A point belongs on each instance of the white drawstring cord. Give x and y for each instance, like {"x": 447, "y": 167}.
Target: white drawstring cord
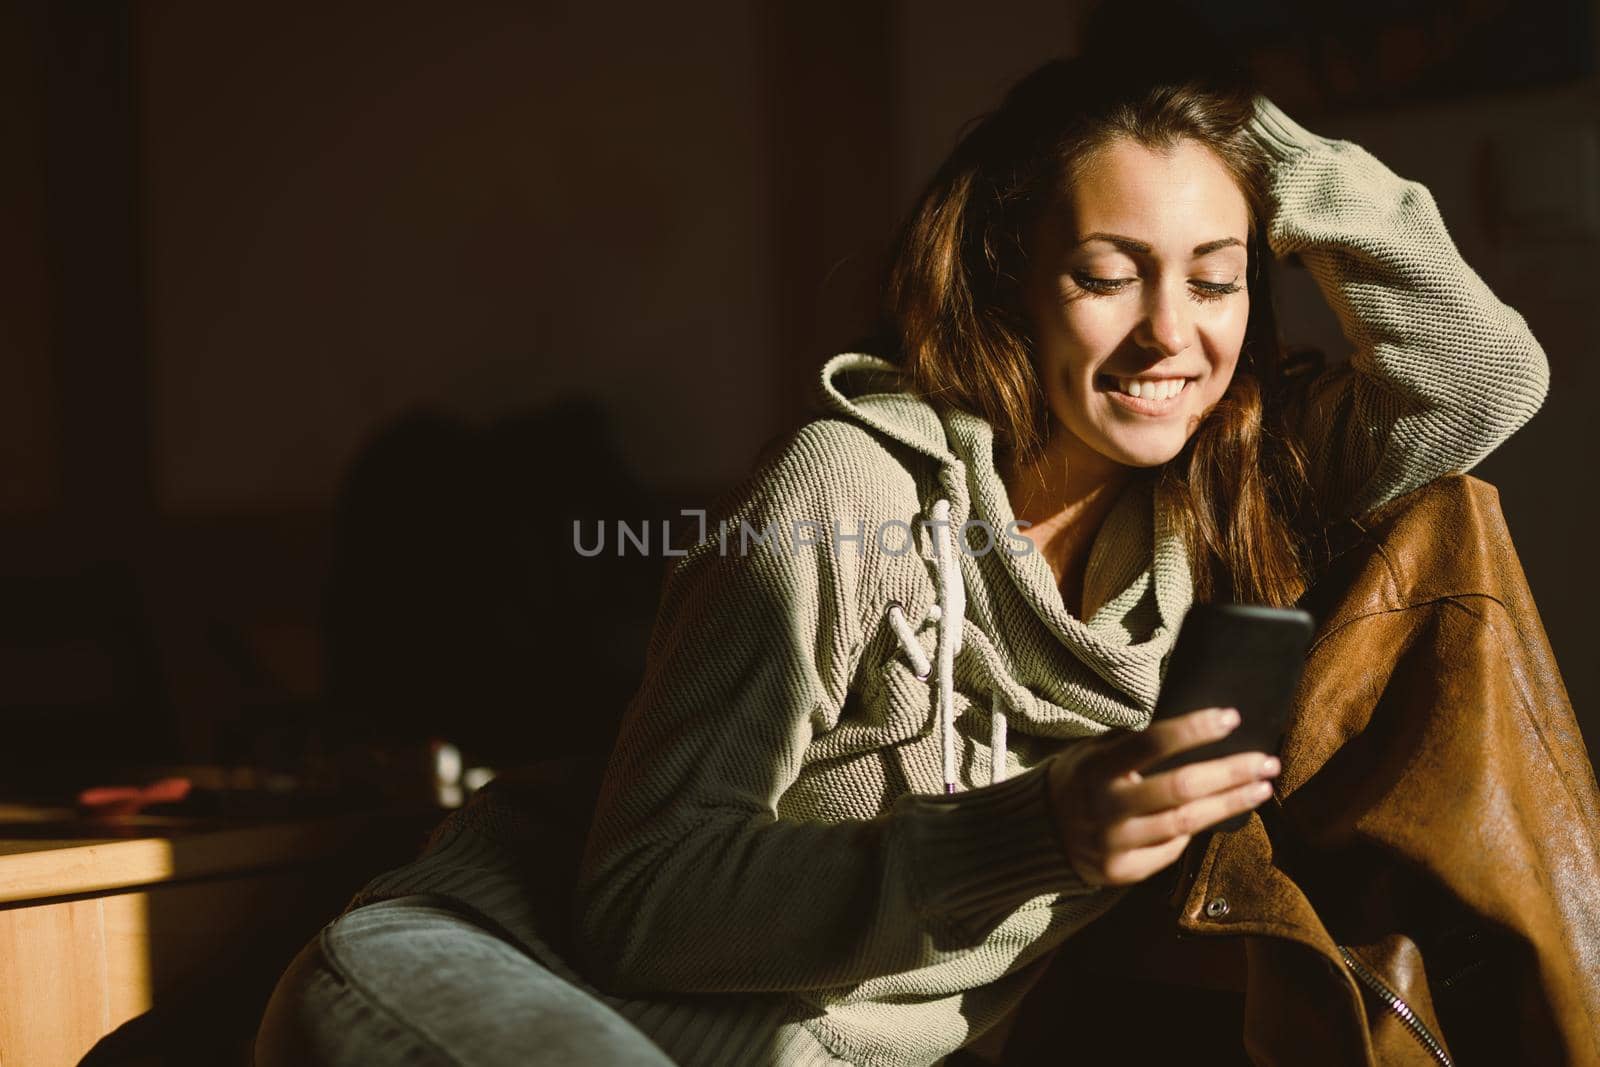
{"x": 953, "y": 607}
{"x": 908, "y": 640}
{"x": 997, "y": 738}
{"x": 949, "y": 614}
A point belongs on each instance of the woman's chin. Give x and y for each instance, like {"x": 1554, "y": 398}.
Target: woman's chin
{"x": 1144, "y": 453}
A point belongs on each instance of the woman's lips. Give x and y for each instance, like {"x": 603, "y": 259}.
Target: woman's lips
{"x": 1142, "y": 405}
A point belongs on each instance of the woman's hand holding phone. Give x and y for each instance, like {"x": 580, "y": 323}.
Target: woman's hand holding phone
{"x": 1118, "y": 826}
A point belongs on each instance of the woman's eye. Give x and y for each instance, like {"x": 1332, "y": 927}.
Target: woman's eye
{"x": 1201, "y": 291}
{"x": 1101, "y": 285}
{"x": 1207, "y": 291}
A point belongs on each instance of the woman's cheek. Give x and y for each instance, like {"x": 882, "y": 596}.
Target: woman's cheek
{"x": 1223, "y": 339}
{"x": 1088, "y": 328}
{"x": 1236, "y": 318}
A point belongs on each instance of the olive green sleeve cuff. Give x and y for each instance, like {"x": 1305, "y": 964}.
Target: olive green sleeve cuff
{"x": 1281, "y": 136}
{"x": 980, "y": 854}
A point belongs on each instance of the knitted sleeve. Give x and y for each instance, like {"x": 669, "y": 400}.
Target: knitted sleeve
{"x": 690, "y": 881}
{"x": 1441, "y": 371}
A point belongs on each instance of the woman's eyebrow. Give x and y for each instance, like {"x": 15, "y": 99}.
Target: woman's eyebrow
{"x": 1128, "y": 244}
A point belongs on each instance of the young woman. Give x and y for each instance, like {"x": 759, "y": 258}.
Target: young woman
{"x": 887, "y": 752}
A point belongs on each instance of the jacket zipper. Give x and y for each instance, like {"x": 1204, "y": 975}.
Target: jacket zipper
{"x": 1401, "y": 1009}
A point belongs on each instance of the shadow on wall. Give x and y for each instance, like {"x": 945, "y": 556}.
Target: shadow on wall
{"x": 81, "y": 691}
{"x": 457, "y": 607}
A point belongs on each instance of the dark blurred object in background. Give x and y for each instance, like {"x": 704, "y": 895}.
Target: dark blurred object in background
{"x": 457, "y": 605}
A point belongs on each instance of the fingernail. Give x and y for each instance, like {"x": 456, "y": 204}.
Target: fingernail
{"x": 1269, "y": 765}
{"x": 1228, "y": 717}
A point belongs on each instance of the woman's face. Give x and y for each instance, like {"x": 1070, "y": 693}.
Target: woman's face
{"x": 1138, "y": 282}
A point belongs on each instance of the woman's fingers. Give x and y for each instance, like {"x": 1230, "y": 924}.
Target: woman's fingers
{"x": 1118, "y": 827}
{"x": 1135, "y": 751}
{"x": 1138, "y": 864}
{"x": 1185, "y": 820}
{"x": 1180, "y": 785}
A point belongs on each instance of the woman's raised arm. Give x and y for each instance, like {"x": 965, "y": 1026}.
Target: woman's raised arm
{"x": 691, "y": 881}
{"x": 1442, "y": 372}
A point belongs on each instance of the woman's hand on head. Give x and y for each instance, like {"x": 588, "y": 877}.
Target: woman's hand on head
{"x": 1118, "y": 827}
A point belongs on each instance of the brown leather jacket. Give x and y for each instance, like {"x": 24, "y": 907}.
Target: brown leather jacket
{"x": 1425, "y": 887}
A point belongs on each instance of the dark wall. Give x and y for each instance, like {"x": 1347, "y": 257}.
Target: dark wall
{"x": 355, "y": 208}
{"x": 27, "y": 430}
{"x": 298, "y": 288}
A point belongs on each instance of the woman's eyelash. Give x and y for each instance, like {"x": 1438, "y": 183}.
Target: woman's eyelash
{"x": 1203, "y": 291}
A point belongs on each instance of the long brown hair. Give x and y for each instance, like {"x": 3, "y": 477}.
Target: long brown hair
{"x": 953, "y": 306}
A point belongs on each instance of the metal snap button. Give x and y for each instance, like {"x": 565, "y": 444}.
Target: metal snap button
{"x": 1217, "y": 907}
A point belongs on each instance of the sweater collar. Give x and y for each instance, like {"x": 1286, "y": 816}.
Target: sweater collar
{"x": 1137, "y": 575}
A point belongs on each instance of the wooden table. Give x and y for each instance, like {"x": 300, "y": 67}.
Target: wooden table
{"x": 181, "y": 926}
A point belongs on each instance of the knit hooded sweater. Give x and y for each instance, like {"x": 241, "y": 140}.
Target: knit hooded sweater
{"x": 824, "y": 835}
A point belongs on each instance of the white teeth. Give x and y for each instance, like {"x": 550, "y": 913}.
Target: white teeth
{"x": 1155, "y": 390}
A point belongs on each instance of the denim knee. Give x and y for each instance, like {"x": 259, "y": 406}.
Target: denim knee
{"x": 411, "y": 981}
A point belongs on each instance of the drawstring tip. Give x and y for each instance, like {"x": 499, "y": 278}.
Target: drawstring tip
{"x": 949, "y": 789}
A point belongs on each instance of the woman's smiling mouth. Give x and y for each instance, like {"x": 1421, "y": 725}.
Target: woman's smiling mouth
{"x": 1144, "y": 395}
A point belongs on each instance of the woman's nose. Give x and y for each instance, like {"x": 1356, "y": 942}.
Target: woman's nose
{"x": 1168, "y": 323}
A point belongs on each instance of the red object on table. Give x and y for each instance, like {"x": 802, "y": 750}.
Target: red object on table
{"x": 128, "y": 799}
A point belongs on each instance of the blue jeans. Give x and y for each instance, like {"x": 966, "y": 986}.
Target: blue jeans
{"x": 412, "y": 981}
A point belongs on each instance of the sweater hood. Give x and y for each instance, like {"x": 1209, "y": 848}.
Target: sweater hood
{"x": 870, "y": 390}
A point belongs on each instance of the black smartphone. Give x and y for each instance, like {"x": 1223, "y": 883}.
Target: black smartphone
{"x": 1245, "y": 656}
